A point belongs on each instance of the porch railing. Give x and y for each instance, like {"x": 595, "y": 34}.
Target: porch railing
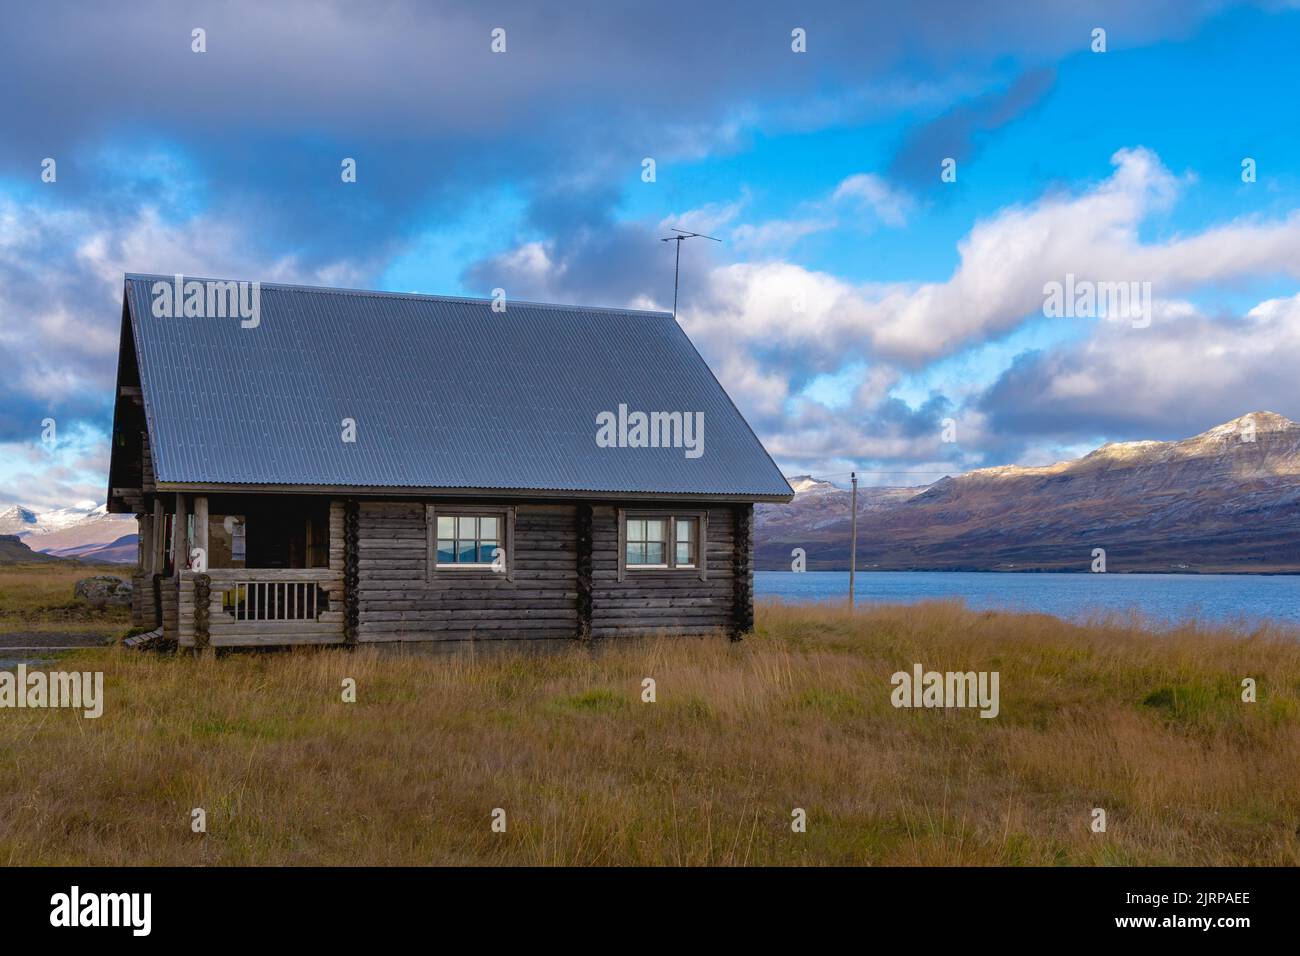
{"x": 254, "y": 606}
{"x": 272, "y": 600}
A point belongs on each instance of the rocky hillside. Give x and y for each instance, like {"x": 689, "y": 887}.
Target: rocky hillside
{"x": 13, "y": 551}
{"x": 1224, "y": 500}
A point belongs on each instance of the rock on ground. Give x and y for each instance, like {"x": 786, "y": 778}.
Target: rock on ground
{"x": 104, "y": 590}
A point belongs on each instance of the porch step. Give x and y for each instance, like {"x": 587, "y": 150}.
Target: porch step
{"x": 145, "y": 641}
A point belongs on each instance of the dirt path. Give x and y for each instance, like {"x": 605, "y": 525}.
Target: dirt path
{"x": 13, "y": 642}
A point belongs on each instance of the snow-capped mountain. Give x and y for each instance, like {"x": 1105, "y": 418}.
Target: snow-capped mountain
{"x": 807, "y": 484}
{"x": 17, "y": 520}
{"x": 1225, "y": 500}
{"x": 88, "y": 532}
{"x": 820, "y": 507}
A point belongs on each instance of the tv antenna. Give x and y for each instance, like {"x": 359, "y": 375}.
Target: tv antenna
{"x": 682, "y": 236}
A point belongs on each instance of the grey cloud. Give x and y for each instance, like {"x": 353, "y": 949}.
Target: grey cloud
{"x": 413, "y": 92}
{"x": 591, "y": 257}
{"x": 957, "y": 133}
{"x": 420, "y": 68}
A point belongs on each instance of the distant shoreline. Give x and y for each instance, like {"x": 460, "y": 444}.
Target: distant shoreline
{"x": 1291, "y": 572}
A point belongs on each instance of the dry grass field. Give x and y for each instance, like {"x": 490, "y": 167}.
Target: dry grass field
{"x": 1148, "y": 726}
{"x": 38, "y": 598}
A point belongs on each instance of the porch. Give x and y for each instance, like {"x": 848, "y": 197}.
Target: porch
{"x": 242, "y": 571}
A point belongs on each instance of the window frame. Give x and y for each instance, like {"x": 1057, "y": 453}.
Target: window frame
{"x": 699, "y": 566}
{"x": 505, "y": 516}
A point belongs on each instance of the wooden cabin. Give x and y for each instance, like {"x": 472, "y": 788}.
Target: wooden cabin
{"x": 350, "y": 467}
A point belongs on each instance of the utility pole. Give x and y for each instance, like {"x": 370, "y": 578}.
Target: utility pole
{"x": 853, "y": 548}
{"x": 682, "y": 236}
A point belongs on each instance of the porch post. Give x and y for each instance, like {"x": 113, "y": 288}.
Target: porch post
{"x": 201, "y": 527}
{"x": 144, "y": 553}
{"x": 180, "y": 536}
{"x": 157, "y": 544}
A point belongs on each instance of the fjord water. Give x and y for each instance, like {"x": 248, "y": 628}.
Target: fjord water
{"x": 1161, "y": 599}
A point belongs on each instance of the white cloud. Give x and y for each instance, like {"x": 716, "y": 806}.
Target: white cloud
{"x": 858, "y": 203}
{"x": 889, "y": 205}
{"x": 73, "y": 470}
{"x": 62, "y": 301}
{"x": 709, "y": 218}
{"x": 998, "y": 285}
{"x": 775, "y": 234}
{"x": 1186, "y": 371}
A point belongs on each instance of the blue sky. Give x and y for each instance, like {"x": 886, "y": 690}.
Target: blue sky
{"x": 856, "y": 303}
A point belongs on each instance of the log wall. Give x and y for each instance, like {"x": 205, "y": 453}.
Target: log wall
{"x": 671, "y": 601}
{"x": 139, "y": 605}
{"x": 168, "y": 593}
{"x": 557, "y": 587}
{"x": 399, "y": 601}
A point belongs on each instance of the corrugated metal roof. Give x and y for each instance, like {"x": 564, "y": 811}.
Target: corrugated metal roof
{"x": 445, "y": 393}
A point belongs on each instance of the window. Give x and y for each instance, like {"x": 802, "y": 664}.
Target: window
{"x": 684, "y": 538}
{"x": 227, "y": 540}
{"x": 647, "y": 542}
{"x": 468, "y": 539}
{"x": 664, "y": 542}
{"x": 237, "y": 539}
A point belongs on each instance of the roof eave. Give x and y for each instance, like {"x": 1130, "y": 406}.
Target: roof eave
{"x": 393, "y": 491}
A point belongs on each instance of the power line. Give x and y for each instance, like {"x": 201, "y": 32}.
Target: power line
{"x": 842, "y": 474}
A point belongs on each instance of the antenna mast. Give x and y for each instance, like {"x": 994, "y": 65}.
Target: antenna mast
{"x": 682, "y": 236}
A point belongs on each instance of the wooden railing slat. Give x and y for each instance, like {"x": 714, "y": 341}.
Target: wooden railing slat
{"x": 269, "y": 596}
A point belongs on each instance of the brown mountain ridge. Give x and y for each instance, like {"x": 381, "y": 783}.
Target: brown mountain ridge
{"x": 1227, "y": 500}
